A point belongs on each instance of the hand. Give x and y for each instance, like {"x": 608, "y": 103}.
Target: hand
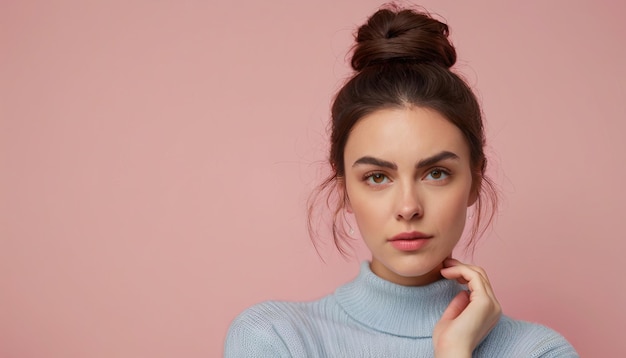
{"x": 469, "y": 316}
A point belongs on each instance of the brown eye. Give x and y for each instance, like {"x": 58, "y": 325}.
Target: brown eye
{"x": 437, "y": 174}
{"x": 378, "y": 178}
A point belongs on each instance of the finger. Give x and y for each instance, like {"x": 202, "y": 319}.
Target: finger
{"x": 480, "y": 270}
{"x": 456, "y": 306}
{"x": 476, "y": 282}
{"x": 481, "y": 293}
{"x": 450, "y": 262}
{"x": 481, "y": 299}
{"x": 462, "y": 273}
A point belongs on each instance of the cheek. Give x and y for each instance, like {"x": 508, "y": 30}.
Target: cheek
{"x": 370, "y": 211}
{"x": 364, "y": 209}
{"x": 450, "y": 212}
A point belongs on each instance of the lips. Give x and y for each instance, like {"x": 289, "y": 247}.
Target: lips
{"x": 414, "y": 235}
{"x": 409, "y": 241}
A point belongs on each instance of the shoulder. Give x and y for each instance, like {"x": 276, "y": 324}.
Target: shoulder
{"x": 525, "y": 339}
{"x": 271, "y": 328}
{"x": 279, "y": 313}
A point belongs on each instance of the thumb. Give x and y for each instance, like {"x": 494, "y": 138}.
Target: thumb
{"x": 456, "y": 306}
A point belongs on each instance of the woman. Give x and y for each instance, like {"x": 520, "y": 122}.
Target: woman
{"x": 407, "y": 160}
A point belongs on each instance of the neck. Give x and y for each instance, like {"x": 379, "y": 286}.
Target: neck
{"x": 385, "y": 273}
{"x": 389, "y": 307}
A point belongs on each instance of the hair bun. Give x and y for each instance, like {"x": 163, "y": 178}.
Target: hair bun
{"x": 405, "y": 35}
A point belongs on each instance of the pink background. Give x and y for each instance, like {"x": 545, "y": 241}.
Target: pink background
{"x": 156, "y": 158}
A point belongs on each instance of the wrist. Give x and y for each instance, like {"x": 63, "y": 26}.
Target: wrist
{"x": 453, "y": 354}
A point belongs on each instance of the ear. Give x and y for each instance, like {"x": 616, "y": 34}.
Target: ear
{"x": 477, "y": 180}
{"x": 346, "y": 203}
{"x": 341, "y": 186}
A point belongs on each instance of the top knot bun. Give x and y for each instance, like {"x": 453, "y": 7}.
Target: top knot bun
{"x": 404, "y": 35}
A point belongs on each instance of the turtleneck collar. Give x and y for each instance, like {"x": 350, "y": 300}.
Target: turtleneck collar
{"x": 409, "y": 311}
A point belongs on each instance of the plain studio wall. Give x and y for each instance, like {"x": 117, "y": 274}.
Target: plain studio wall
{"x": 156, "y": 158}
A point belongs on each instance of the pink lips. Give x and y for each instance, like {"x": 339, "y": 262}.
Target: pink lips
{"x": 409, "y": 241}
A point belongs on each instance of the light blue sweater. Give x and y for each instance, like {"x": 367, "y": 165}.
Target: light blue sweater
{"x": 372, "y": 317}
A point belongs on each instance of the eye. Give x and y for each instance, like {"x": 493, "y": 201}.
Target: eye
{"x": 438, "y": 174}
{"x": 376, "y": 179}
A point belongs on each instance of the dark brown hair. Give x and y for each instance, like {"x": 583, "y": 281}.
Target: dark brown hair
{"x": 402, "y": 58}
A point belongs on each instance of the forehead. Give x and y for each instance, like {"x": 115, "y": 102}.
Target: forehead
{"x": 405, "y": 132}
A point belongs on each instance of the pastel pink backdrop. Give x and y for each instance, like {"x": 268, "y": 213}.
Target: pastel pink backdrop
{"x": 156, "y": 158}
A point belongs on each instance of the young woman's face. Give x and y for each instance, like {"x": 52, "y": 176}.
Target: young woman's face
{"x": 408, "y": 182}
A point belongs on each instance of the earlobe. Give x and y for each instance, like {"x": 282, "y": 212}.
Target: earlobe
{"x": 346, "y": 202}
{"x": 476, "y": 184}
{"x": 472, "y": 198}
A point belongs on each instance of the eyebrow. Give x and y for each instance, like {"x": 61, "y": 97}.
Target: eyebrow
{"x": 436, "y": 158}
{"x": 421, "y": 164}
{"x": 375, "y": 161}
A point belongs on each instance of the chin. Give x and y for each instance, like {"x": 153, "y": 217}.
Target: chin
{"x": 415, "y": 272}
{"x": 410, "y": 271}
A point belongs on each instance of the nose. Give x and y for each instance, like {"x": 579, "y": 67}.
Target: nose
{"x": 409, "y": 206}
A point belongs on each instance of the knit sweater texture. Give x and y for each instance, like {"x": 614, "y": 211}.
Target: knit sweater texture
{"x": 372, "y": 317}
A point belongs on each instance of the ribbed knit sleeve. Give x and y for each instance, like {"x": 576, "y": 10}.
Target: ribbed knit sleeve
{"x": 512, "y": 338}
{"x": 252, "y": 334}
